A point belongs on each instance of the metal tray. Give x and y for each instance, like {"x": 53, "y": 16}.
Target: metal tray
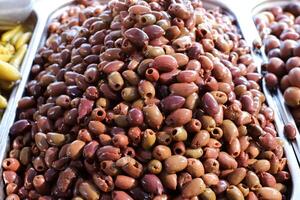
{"x": 14, "y": 11}
{"x": 283, "y": 109}
{"x": 43, "y": 13}
{"x": 32, "y": 23}
{"x": 56, "y": 7}
{"x": 36, "y": 23}
{"x": 244, "y": 17}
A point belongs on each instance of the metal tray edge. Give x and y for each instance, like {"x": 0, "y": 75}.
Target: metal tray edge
{"x": 44, "y": 10}
{"x": 284, "y": 111}
{"x": 25, "y": 68}
{"x": 248, "y": 29}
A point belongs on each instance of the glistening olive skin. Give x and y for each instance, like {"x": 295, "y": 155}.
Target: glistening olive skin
{"x": 234, "y": 193}
{"x": 145, "y": 100}
{"x": 193, "y": 188}
{"x": 153, "y": 116}
{"x": 292, "y": 96}
{"x": 268, "y": 193}
{"x": 290, "y": 131}
{"x": 165, "y": 63}
{"x": 210, "y": 104}
{"x": 175, "y": 164}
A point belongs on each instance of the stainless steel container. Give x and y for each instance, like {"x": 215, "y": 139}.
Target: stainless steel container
{"x": 283, "y": 109}
{"x": 33, "y": 22}
{"x": 248, "y": 30}
{"x": 243, "y": 11}
{"x": 42, "y": 14}
{"x": 14, "y": 11}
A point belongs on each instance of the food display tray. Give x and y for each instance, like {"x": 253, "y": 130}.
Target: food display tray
{"x": 242, "y": 14}
{"x": 277, "y": 95}
{"x": 33, "y": 23}
{"x": 245, "y": 14}
{"x": 36, "y": 23}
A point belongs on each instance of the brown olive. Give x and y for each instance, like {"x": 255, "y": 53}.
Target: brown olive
{"x": 290, "y": 131}
{"x": 175, "y": 163}
{"x": 292, "y": 96}
{"x": 293, "y": 77}
{"x": 152, "y": 184}
{"x": 193, "y": 188}
{"x": 210, "y": 104}
{"x": 234, "y": 193}
{"x": 271, "y": 80}
{"x": 268, "y": 192}
{"x": 276, "y": 66}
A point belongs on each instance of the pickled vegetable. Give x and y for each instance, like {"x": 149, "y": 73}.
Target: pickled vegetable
{"x": 13, "y": 47}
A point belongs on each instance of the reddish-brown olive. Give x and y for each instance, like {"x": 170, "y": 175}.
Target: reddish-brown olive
{"x": 135, "y": 117}
{"x": 292, "y": 96}
{"x": 271, "y": 80}
{"x": 290, "y": 131}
